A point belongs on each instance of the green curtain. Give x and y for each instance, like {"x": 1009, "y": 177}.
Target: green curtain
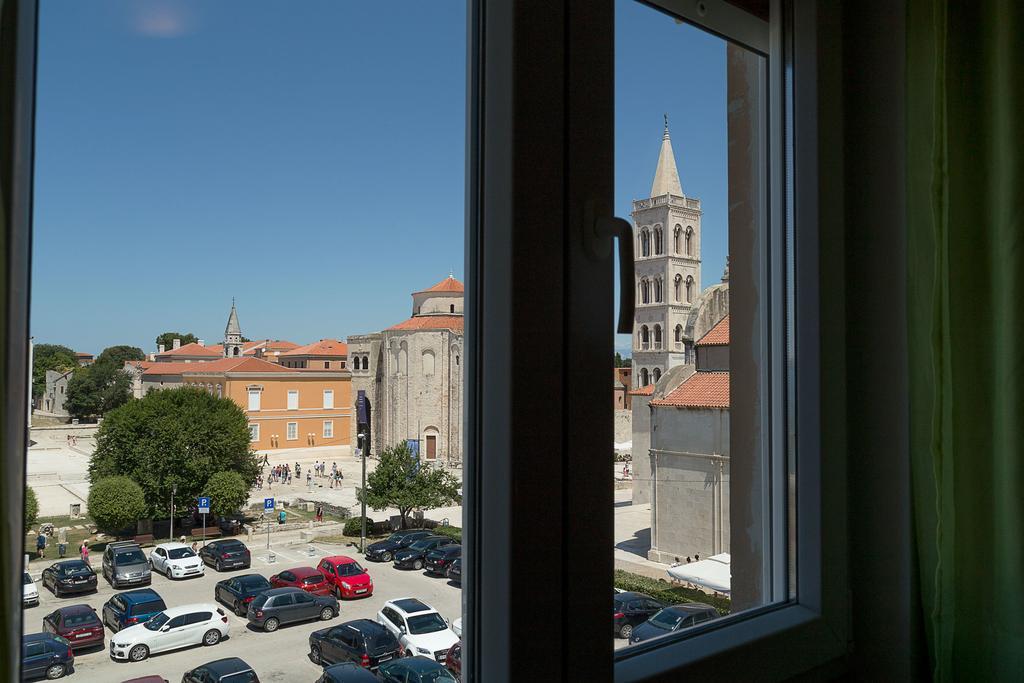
{"x": 965, "y": 222}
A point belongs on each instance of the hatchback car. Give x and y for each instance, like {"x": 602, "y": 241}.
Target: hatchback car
{"x": 44, "y": 655}
{"x": 630, "y": 610}
{"x": 176, "y": 561}
{"x": 453, "y": 662}
{"x": 124, "y": 564}
{"x": 672, "y": 619}
{"x": 347, "y": 577}
{"x": 238, "y": 591}
{"x": 77, "y": 624}
{"x": 419, "y": 628}
{"x": 306, "y": 578}
{"x": 384, "y": 551}
{"x": 29, "y": 592}
{"x": 455, "y": 571}
{"x": 414, "y": 670}
{"x": 439, "y": 560}
{"x": 414, "y": 556}
{"x": 132, "y": 607}
{"x": 172, "y": 629}
{"x": 69, "y": 576}
{"x": 227, "y": 553}
{"x": 362, "y": 641}
{"x": 227, "y": 670}
{"x": 277, "y": 606}
{"x": 347, "y": 672}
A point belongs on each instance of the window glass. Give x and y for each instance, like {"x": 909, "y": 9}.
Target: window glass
{"x": 293, "y": 431}
{"x": 180, "y": 553}
{"x": 178, "y": 622}
{"x": 80, "y": 619}
{"x": 313, "y": 579}
{"x": 35, "y": 649}
{"x": 148, "y": 607}
{"x": 198, "y": 618}
{"x": 283, "y": 600}
{"x": 304, "y": 598}
{"x": 293, "y": 400}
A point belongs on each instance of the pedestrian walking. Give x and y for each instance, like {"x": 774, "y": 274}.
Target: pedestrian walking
{"x": 309, "y": 478}
{"x": 195, "y": 547}
{"x": 62, "y": 541}
{"x": 41, "y": 543}
{"x": 83, "y": 550}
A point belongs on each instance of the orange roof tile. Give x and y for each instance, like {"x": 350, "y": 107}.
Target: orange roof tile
{"x": 215, "y": 366}
{"x": 268, "y": 345}
{"x": 700, "y": 390}
{"x": 643, "y": 391}
{"x": 449, "y": 284}
{"x": 194, "y": 349}
{"x": 456, "y": 323}
{"x": 324, "y": 347}
{"x": 717, "y": 335}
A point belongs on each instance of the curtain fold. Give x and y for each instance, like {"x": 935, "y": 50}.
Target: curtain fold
{"x": 965, "y": 222}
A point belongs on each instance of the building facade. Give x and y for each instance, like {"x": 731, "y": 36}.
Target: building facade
{"x": 326, "y": 354}
{"x": 56, "y": 392}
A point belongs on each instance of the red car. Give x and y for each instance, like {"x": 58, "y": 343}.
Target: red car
{"x": 347, "y": 578}
{"x": 306, "y": 578}
{"x": 78, "y": 624}
{"x": 453, "y": 662}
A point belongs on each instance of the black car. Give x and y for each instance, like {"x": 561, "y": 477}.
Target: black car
{"x": 44, "y": 655}
{"x": 347, "y": 672}
{"x": 415, "y": 670}
{"x": 631, "y": 610}
{"x": 362, "y": 641}
{"x": 238, "y": 591}
{"x": 69, "y": 576}
{"x": 672, "y": 619}
{"x": 384, "y": 551}
{"x": 415, "y": 555}
{"x": 277, "y": 606}
{"x": 439, "y": 560}
{"x": 228, "y": 553}
{"x": 228, "y": 670}
{"x": 455, "y": 571}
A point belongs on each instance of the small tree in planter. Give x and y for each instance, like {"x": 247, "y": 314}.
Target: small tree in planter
{"x": 399, "y": 482}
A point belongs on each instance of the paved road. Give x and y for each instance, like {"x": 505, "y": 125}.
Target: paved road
{"x": 279, "y": 656}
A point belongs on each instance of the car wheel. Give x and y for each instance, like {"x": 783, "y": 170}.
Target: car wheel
{"x": 56, "y": 592}
{"x": 626, "y": 631}
{"x": 271, "y": 624}
{"x": 211, "y": 637}
{"x": 240, "y": 609}
{"x": 417, "y": 565}
{"x": 326, "y": 614}
{"x": 220, "y": 566}
{"x": 138, "y": 653}
{"x": 385, "y": 557}
{"x": 55, "y": 671}
{"x": 337, "y": 591}
{"x": 314, "y": 654}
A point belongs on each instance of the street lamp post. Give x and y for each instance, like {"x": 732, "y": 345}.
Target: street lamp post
{"x": 174, "y": 489}
{"x": 364, "y": 443}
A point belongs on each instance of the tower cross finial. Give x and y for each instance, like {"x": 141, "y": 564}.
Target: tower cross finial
{"x": 666, "y": 123}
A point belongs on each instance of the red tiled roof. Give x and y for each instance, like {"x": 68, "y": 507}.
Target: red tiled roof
{"x": 144, "y": 364}
{"x": 449, "y": 284}
{"x": 643, "y": 391}
{"x": 194, "y": 349}
{"x": 456, "y": 323}
{"x": 325, "y": 347}
{"x": 717, "y": 335}
{"x": 215, "y": 366}
{"x": 700, "y": 390}
{"x": 82, "y": 354}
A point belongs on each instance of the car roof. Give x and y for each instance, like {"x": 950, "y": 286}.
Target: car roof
{"x": 76, "y": 609}
{"x": 282, "y": 591}
{"x": 187, "y": 609}
{"x": 140, "y": 595}
{"x": 690, "y": 607}
{"x": 228, "y": 665}
{"x": 123, "y": 544}
{"x": 412, "y": 605}
{"x": 631, "y": 595}
{"x": 364, "y": 626}
{"x": 172, "y": 545}
{"x": 35, "y": 637}
{"x": 418, "y": 664}
{"x": 72, "y": 563}
{"x": 300, "y": 572}
{"x": 350, "y": 671}
{"x": 339, "y": 559}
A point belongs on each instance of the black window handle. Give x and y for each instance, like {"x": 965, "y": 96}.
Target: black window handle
{"x": 613, "y": 227}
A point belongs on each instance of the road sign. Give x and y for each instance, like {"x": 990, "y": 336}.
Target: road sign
{"x": 268, "y": 504}
{"x": 204, "y": 505}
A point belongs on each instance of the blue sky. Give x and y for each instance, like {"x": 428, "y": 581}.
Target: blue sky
{"x": 308, "y": 162}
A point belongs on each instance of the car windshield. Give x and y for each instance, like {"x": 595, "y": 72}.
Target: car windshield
{"x": 666, "y": 619}
{"x": 435, "y": 676}
{"x": 350, "y": 569}
{"x": 253, "y": 582}
{"x": 230, "y": 547}
{"x": 130, "y": 557}
{"x": 315, "y": 578}
{"x": 396, "y": 538}
{"x": 180, "y": 553}
{"x": 157, "y": 622}
{"x": 80, "y": 619}
{"x": 26, "y": 579}
{"x": 422, "y": 545}
{"x": 77, "y": 569}
{"x": 378, "y": 644}
{"x": 426, "y": 623}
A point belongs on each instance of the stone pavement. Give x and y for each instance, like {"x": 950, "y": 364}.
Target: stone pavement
{"x": 59, "y": 473}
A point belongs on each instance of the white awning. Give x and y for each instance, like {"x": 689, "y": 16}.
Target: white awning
{"x": 714, "y": 573}
{"x": 624, "y": 446}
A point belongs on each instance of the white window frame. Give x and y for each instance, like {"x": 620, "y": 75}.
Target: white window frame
{"x": 328, "y": 429}
{"x": 293, "y": 399}
{"x": 259, "y": 399}
{"x": 254, "y": 432}
{"x": 289, "y": 429}
{"x": 328, "y": 399}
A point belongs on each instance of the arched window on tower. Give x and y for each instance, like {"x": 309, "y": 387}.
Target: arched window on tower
{"x": 657, "y": 336}
{"x": 659, "y": 246}
{"x": 677, "y": 236}
{"x": 658, "y": 295}
{"x": 689, "y": 289}
{"x": 645, "y": 291}
{"x": 645, "y": 379}
{"x": 645, "y": 242}
{"x": 678, "y": 288}
{"x": 679, "y": 336}
{"x": 645, "y": 338}
{"x": 689, "y": 241}
{"x": 656, "y": 375}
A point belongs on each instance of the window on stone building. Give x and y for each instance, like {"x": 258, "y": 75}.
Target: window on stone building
{"x": 293, "y": 399}
{"x": 292, "y": 432}
{"x": 657, "y": 336}
{"x": 679, "y": 335}
{"x": 328, "y": 399}
{"x": 428, "y": 362}
{"x": 678, "y": 288}
{"x": 689, "y": 289}
{"x": 659, "y": 247}
{"x": 644, "y": 377}
{"x": 254, "y": 432}
{"x": 657, "y": 290}
{"x": 254, "y": 399}
{"x": 328, "y": 429}
{"x": 645, "y": 291}
{"x": 676, "y": 235}
{"x": 645, "y": 242}
{"x": 656, "y": 375}
{"x": 689, "y": 241}
{"x": 645, "y": 337}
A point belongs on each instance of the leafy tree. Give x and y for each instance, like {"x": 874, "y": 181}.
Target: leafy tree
{"x": 115, "y": 356}
{"x": 621, "y": 362}
{"x": 49, "y": 357}
{"x": 399, "y": 482}
{"x": 116, "y": 503}
{"x": 167, "y": 339}
{"x": 246, "y": 340}
{"x": 96, "y": 390}
{"x": 228, "y": 492}
{"x": 31, "y": 508}
{"x": 174, "y": 437}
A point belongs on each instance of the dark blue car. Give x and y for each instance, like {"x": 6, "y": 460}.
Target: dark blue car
{"x": 672, "y": 619}
{"x": 44, "y": 655}
{"x": 414, "y": 670}
{"x": 132, "y": 607}
{"x": 347, "y": 672}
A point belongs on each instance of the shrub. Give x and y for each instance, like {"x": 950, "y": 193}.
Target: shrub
{"x": 228, "y": 492}
{"x": 31, "y": 507}
{"x": 662, "y": 590}
{"x": 354, "y": 526}
{"x": 116, "y": 503}
{"x": 449, "y": 531}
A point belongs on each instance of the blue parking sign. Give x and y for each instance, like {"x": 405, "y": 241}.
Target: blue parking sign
{"x": 268, "y": 504}
{"x": 204, "y": 505}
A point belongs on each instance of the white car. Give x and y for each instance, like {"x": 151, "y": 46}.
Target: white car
{"x": 29, "y": 592}
{"x": 457, "y": 627}
{"x": 174, "y": 628}
{"x": 419, "y": 628}
{"x": 176, "y": 561}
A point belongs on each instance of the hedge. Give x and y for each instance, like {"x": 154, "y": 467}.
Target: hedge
{"x": 662, "y": 590}
{"x": 354, "y": 526}
{"x": 449, "y": 531}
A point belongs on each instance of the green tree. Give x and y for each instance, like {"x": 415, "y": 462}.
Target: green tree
{"x": 174, "y": 437}
{"x": 115, "y": 356}
{"x": 116, "y": 503}
{"x": 31, "y": 508}
{"x": 96, "y": 390}
{"x": 398, "y": 481}
{"x": 167, "y": 339}
{"x": 228, "y": 492}
{"x": 621, "y": 362}
{"x": 49, "y": 357}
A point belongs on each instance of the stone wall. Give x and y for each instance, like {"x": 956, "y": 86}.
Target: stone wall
{"x": 623, "y": 426}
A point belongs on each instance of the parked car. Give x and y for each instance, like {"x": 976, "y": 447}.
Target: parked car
{"x": 632, "y": 609}
{"x": 44, "y": 655}
{"x": 672, "y": 619}
{"x": 132, "y": 607}
{"x": 228, "y": 553}
{"x": 347, "y": 672}
{"x": 227, "y": 670}
{"x": 346, "y": 577}
{"x": 384, "y": 551}
{"x": 69, "y": 576}
{"x": 453, "y": 662}
{"x": 306, "y": 578}
{"x": 124, "y": 564}
{"x": 172, "y": 629}
{"x": 147, "y": 679}
{"x": 457, "y": 627}
{"x": 455, "y": 571}
{"x": 439, "y": 560}
{"x": 176, "y": 561}
{"x": 362, "y": 641}
{"x": 419, "y": 628}
{"x": 414, "y": 556}
{"x": 77, "y": 624}
{"x": 277, "y": 606}
{"x": 238, "y": 591}
{"x": 29, "y": 592}
{"x": 414, "y": 670}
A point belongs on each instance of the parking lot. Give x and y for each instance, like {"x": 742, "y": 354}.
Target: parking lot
{"x": 279, "y": 656}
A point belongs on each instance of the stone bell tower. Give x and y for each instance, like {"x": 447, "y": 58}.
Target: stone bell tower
{"x": 232, "y": 335}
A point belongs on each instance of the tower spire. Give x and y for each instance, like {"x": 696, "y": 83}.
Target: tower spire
{"x": 232, "y": 334}
{"x": 666, "y": 176}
